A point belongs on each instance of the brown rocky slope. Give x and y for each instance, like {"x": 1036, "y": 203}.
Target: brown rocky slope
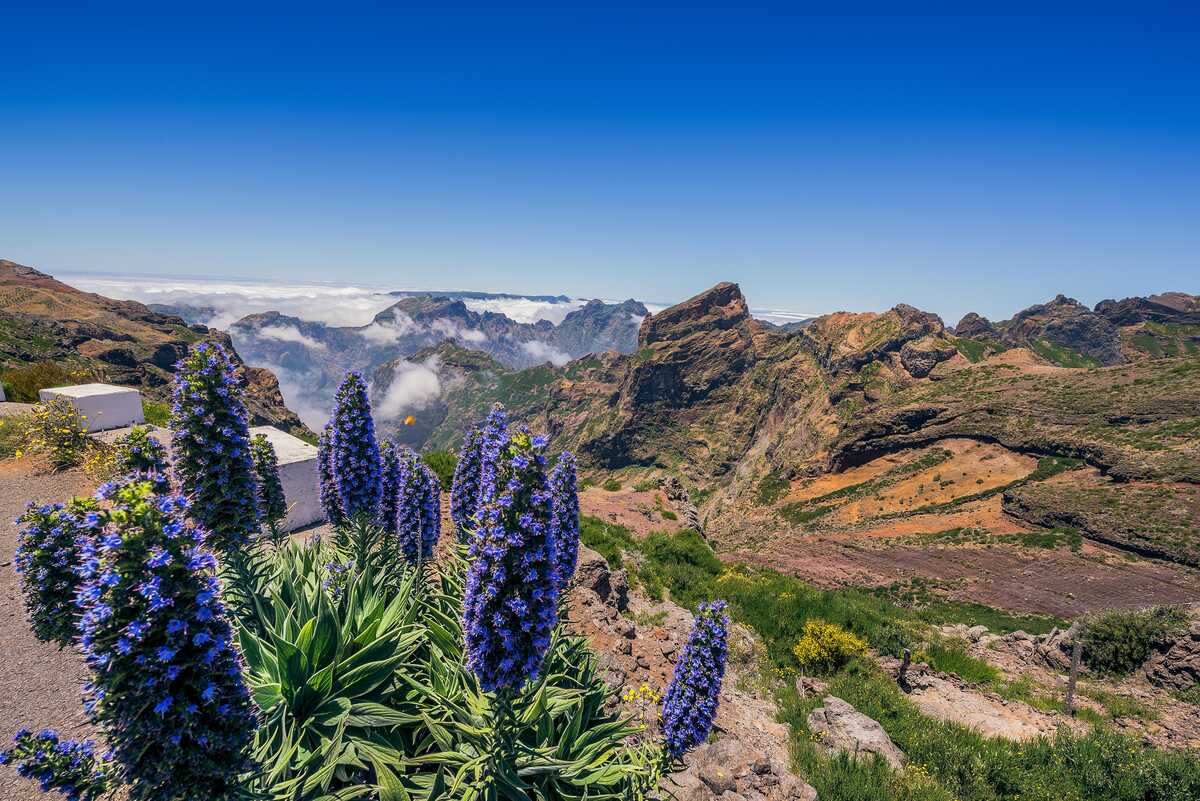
{"x": 116, "y": 341}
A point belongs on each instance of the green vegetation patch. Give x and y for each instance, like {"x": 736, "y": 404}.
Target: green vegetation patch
{"x": 1119, "y": 642}
{"x": 771, "y": 488}
{"x": 1061, "y": 354}
{"x": 442, "y": 463}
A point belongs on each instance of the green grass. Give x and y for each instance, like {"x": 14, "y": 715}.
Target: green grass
{"x": 611, "y": 485}
{"x": 951, "y": 656}
{"x": 800, "y": 512}
{"x": 771, "y": 488}
{"x": 607, "y": 539}
{"x": 947, "y": 761}
{"x": 157, "y": 413}
{"x": 442, "y": 463}
{"x": 11, "y": 435}
{"x": 1062, "y": 355}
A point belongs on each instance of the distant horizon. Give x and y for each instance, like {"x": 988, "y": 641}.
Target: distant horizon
{"x": 98, "y": 281}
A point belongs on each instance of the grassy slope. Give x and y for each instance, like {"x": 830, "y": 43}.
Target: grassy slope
{"x": 947, "y": 761}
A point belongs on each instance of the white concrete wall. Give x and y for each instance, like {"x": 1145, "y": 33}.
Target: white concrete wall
{"x": 101, "y": 406}
{"x": 298, "y": 475}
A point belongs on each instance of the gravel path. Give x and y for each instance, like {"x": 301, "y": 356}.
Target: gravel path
{"x": 39, "y": 684}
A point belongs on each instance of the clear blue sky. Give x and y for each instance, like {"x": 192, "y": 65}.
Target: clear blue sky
{"x": 951, "y": 160}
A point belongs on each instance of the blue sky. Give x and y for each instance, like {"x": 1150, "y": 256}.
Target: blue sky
{"x": 956, "y": 161}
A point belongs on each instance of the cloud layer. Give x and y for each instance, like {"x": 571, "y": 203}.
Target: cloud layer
{"x": 414, "y": 386}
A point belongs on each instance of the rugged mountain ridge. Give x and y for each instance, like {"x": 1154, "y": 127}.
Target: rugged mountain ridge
{"x": 315, "y": 356}
{"x": 1067, "y": 333}
{"x": 747, "y": 415}
{"x": 122, "y": 342}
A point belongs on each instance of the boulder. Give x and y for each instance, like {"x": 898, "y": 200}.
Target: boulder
{"x": 842, "y": 728}
{"x": 677, "y": 494}
{"x": 732, "y": 770}
{"x": 1178, "y": 666}
{"x": 610, "y": 586}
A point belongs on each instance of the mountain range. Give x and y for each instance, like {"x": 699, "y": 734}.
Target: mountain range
{"x": 94, "y": 338}
{"x": 850, "y": 426}
{"x": 1063, "y": 416}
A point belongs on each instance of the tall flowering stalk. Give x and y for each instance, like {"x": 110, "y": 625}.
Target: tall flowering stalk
{"x": 354, "y": 452}
{"x": 211, "y": 443}
{"x": 47, "y": 558}
{"x": 695, "y": 689}
{"x": 389, "y": 502}
{"x": 69, "y": 767}
{"x": 431, "y": 509}
{"x": 167, "y": 687}
{"x": 565, "y": 518}
{"x": 464, "y": 492}
{"x": 418, "y": 521}
{"x": 510, "y": 604}
{"x": 272, "y": 504}
{"x": 329, "y": 494}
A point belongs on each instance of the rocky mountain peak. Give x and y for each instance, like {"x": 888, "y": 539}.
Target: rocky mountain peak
{"x": 974, "y": 325}
{"x": 718, "y": 309}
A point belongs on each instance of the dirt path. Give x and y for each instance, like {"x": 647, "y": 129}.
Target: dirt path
{"x": 39, "y": 684}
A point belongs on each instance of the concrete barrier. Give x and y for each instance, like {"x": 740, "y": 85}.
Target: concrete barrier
{"x": 100, "y": 406}
{"x": 298, "y": 475}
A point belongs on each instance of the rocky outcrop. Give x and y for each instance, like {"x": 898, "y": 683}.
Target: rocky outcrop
{"x": 677, "y": 494}
{"x": 974, "y": 326}
{"x": 840, "y": 728}
{"x": 1178, "y": 666}
{"x": 843, "y": 342}
{"x": 1178, "y": 308}
{"x": 920, "y": 356}
{"x": 748, "y": 760}
{"x": 1064, "y": 323}
{"x": 732, "y": 770}
{"x": 600, "y": 326}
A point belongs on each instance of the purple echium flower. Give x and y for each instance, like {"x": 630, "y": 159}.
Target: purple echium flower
{"x": 418, "y": 507}
{"x": 690, "y": 703}
{"x": 431, "y": 510}
{"x": 211, "y": 443}
{"x": 167, "y": 688}
{"x": 271, "y": 502}
{"x": 355, "y": 453}
{"x": 329, "y": 496}
{"x": 565, "y": 511}
{"x": 49, "y": 552}
{"x": 464, "y": 491}
{"x": 69, "y": 767}
{"x": 389, "y": 501}
{"x": 510, "y": 607}
{"x": 140, "y": 454}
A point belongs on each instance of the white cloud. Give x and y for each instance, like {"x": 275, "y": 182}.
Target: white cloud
{"x": 524, "y": 310}
{"x": 414, "y": 386}
{"x": 296, "y": 388}
{"x": 382, "y": 332}
{"x": 781, "y": 316}
{"x": 289, "y": 333}
{"x": 333, "y": 304}
{"x": 545, "y": 353}
{"x": 450, "y": 328}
